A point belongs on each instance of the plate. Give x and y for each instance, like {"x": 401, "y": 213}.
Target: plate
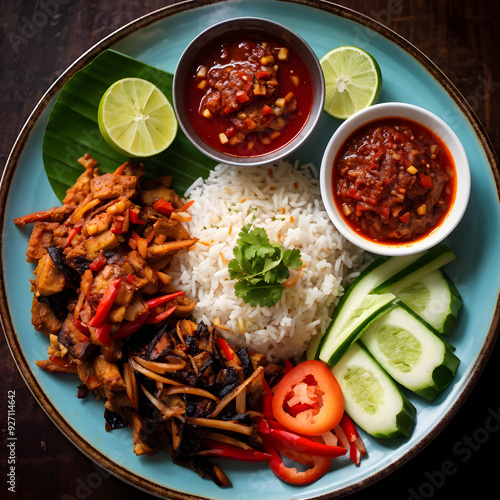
{"x": 158, "y": 39}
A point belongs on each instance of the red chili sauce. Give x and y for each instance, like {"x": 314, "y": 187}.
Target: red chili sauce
{"x": 394, "y": 181}
{"x": 248, "y": 97}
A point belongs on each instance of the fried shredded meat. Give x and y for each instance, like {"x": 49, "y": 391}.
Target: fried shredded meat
{"x": 103, "y": 296}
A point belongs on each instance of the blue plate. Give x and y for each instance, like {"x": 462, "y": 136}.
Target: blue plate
{"x": 159, "y": 39}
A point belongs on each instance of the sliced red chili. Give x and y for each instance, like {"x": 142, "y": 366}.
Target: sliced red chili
{"x": 118, "y": 225}
{"x": 405, "y": 218}
{"x": 226, "y": 450}
{"x": 262, "y": 74}
{"x": 163, "y": 206}
{"x": 72, "y": 234}
{"x": 106, "y": 303}
{"x": 354, "y": 194}
{"x": 303, "y": 445}
{"x": 103, "y": 333}
{"x": 318, "y": 465}
{"x": 267, "y": 404}
{"x": 426, "y": 181}
{"x": 134, "y": 217}
{"x": 242, "y": 96}
{"x": 266, "y": 110}
{"x": 130, "y": 327}
{"x": 98, "y": 263}
{"x": 348, "y": 427}
{"x": 224, "y": 347}
{"x": 158, "y": 318}
{"x": 81, "y": 327}
{"x": 158, "y": 301}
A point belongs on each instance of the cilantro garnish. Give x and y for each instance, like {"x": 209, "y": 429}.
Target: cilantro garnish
{"x": 260, "y": 267}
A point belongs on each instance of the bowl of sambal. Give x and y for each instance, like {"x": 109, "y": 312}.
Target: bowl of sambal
{"x": 395, "y": 179}
{"x": 248, "y": 91}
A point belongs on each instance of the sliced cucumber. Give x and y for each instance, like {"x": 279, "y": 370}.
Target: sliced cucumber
{"x": 358, "y": 307}
{"x": 344, "y": 317}
{"x": 427, "y": 262}
{"x": 410, "y": 351}
{"x": 435, "y": 299}
{"x": 371, "y": 398}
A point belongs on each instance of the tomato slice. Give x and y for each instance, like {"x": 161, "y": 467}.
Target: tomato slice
{"x": 308, "y": 399}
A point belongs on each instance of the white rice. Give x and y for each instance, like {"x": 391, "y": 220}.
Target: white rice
{"x": 285, "y": 200}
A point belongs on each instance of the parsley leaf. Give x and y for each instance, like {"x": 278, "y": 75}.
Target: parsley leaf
{"x": 260, "y": 267}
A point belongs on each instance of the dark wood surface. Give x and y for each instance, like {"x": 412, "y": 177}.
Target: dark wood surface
{"x": 40, "y": 39}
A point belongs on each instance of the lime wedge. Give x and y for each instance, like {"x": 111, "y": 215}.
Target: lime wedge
{"x": 352, "y": 79}
{"x": 136, "y": 119}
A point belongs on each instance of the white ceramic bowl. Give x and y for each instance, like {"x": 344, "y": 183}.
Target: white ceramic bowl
{"x": 428, "y": 120}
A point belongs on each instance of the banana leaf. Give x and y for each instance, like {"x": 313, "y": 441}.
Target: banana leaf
{"x": 72, "y": 129}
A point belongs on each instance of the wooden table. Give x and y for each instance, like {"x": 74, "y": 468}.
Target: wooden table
{"x": 40, "y": 39}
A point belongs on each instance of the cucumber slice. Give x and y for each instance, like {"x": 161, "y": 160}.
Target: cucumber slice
{"x": 371, "y": 398}
{"x": 427, "y": 262}
{"x": 352, "y": 303}
{"x": 410, "y": 351}
{"x": 435, "y": 299}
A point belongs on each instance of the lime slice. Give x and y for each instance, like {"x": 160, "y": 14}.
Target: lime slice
{"x": 352, "y": 79}
{"x": 136, "y": 119}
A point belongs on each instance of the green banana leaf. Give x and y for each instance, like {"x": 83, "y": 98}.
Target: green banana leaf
{"x": 72, "y": 128}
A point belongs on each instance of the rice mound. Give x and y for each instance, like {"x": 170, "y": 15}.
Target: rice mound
{"x": 285, "y": 200}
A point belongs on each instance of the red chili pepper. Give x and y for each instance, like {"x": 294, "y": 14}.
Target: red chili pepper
{"x": 228, "y": 110}
{"x": 81, "y": 327}
{"x": 262, "y": 74}
{"x": 426, "y": 181}
{"x": 117, "y": 226}
{"x": 348, "y": 427}
{"x": 225, "y": 450}
{"x": 163, "y": 206}
{"x": 267, "y": 403}
{"x": 106, "y": 303}
{"x": 354, "y": 453}
{"x": 98, "y": 263}
{"x": 103, "y": 333}
{"x": 354, "y": 194}
{"x": 405, "y": 218}
{"x": 157, "y": 318}
{"x": 130, "y": 327}
{"x": 303, "y": 445}
{"x": 318, "y": 465}
{"x": 158, "y": 301}
{"x": 241, "y": 96}
{"x": 266, "y": 110}
{"x": 224, "y": 347}
{"x": 134, "y": 217}
{"x": 288, "y": 365}
{"x": 72, "y": 234}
